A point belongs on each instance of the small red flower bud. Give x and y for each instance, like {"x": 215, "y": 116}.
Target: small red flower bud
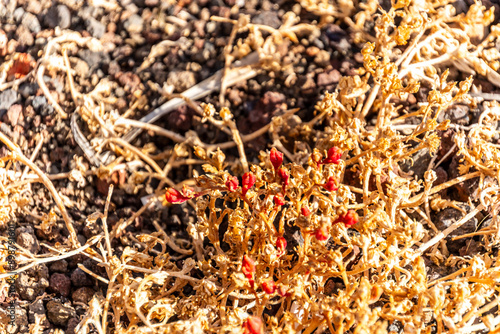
{"x": 281, "y": 245}
{"x": 305, "y": 211}
{"x": 284, "y": 176}
{"x": 331, "y": 185}
{"x": 232, "y": 183}
{"x": 276, "y": 158}
{"x": 333, "y": 157}
{"x": 253, "y": 325}
{"x": 283, "y": 291}
{"x": 349, "y": 219}
{"x": 248, "y": 267}
{"x": 247, "y": 182}
{"x": 321, "y": 233}
{"x": 279, "y": 199}
{"x": 269, "y": 286}
{"x": 174, "y": 196}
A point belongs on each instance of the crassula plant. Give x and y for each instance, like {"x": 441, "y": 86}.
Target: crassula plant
{"x": 261, "y": 211}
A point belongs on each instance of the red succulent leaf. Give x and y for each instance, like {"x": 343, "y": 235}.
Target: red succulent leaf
{"x": 269, "y": 286}
{"x": 321, "y": 233}
{"x": 305, "y": 211}
{"x": 333, "y": 156}
{"x": 279, "y": 199}
{"x": 247, "y": 182}
{"x": 283, "y": 291}
{"x": 248, "y": 266}
{"x": 232, "y": 183}
{"x": 281, "y": 245}
{"x": 284, "y": 176}
{"x": 174, "y": 196}
{"x": 253, "y": 325}
{"x": 276, "y": 158}
{"x": 331, "y": 184}
{"x": 348, "y": 219}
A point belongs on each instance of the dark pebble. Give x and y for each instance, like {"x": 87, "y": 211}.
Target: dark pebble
{"x": 7, "y": 98}
{"x": 83, "y": 295}
{"x": 14, "y": 115}
{"x": 449, "y": 216}
{"x": 95, "y": 28}
{"x": 26, "y": 238}
{"x": 33, "y": 282}
{"x": 58, "y": 16}
{"x": 134, "y": 24}
{"x": 328, "y": 78}
{"x": 72, "y": 324}
{"x": 24, "y": 36}
{"x": 94, "y": 59}
{"x": 59, "y": 314}
{"x": 60, "y": 283}
{"x": 60, "y": 266}
{"x": 18, "y": 14}
{"x": 36, "y": 307}
{"x": 418, "y": 163}
{"x": 31, "y": 22}
{"x": 79, "y": 278}
{"x": 268, "y": 18}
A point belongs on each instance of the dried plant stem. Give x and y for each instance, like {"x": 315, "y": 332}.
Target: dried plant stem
{"x": 441, "y": 235}
{"x": 34, "y": 178}
{"x": 46, "y": 92}
{"x": 33, "y": 155}
{"x": 38, "y": 261}
{"x": 97, "y": 277}
{"x": 19, "y": 156}
{"x": 108, "y": 298}
{"x": 119, "y": 228}
{"x": 369, "y": 102}
{"x": 244, "y": 71}
{"x": 417, "y": 198}
{"x": 137, "y": 152}
{"x": 170, "y": 242}
{"x": 105, "y": 223}
{"x": 209, "y": 147}
{"x": 239, "y": 145}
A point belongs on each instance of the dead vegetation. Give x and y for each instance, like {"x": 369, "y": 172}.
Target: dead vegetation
{"x": 339, "y": 240}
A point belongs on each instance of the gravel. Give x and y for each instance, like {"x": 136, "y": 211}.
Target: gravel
{"x": 58, "y": 313}
{"x": 58, "y": 16}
